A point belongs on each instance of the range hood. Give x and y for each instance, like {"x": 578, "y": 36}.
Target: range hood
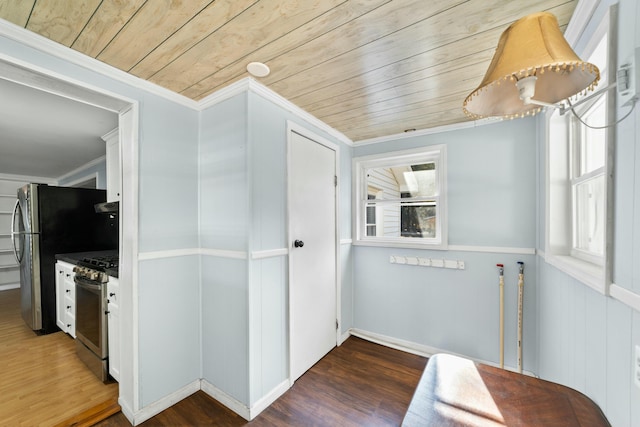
{"x": 107, "y": 207}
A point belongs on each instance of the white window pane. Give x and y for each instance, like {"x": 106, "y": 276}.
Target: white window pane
{"x": 418, "y": 220}
{"x": 403, "y": 219}
{"x": 417, "y": 180}
{"x": 589, "y": 216}
{"x": 592, "y": 143}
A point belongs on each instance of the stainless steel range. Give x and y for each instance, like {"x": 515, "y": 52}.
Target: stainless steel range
{"x": 91, "y": 312}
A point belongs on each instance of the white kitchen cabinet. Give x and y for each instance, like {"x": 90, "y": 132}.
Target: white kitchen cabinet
{"x": 114, "y": 179}
{"x": 65, "y": 298}
{"x": 113, "y": 327}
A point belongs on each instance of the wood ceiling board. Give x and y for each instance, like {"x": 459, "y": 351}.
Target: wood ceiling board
{"x": 154, "y": 22}
{"x": 401, "y": 95}
{"x": 354, "y": 58}
{"x": 104, "y": 25}
{"x": 61, "y": 21}
{"x": 265, "y": 21}
{"x": 450, "y": 101}
{"x": 427, "y": 64}
{"x": 443, "y": 118}
{"x": 349, "y": 90}
{"x": 208, "y": 21}
{"x": 427, "y": 34}
{"x": 319, "y": 26}
{"x": 16, "y": 11}
{"x": 346, "y": 45}
{"x": 400, "y": 116}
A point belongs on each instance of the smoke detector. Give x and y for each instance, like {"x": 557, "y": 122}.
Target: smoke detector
{"x": 258, "y": 69}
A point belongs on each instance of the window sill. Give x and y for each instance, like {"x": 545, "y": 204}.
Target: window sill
{"x": 588, "y": 273}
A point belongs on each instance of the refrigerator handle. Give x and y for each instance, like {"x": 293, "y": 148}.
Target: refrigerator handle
{"x": 13, "y": 232}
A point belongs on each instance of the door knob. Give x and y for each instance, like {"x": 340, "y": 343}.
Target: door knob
{"x": 298, "y": 243}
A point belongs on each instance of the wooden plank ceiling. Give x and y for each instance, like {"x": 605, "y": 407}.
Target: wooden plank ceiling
{"x": 368, "y": 68}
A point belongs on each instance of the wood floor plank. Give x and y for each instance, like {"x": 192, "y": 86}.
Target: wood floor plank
{"x": 359, "y": 383}
{"x": 42, "y": 381}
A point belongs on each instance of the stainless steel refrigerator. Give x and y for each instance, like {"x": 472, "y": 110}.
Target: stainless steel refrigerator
{"x": 47, "y": 221}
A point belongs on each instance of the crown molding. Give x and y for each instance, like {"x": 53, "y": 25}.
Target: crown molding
{"x": 250, "y": 84}
{"x": 27, "y": 178}
{"x": 49, "y": 47}
{"x": 429, "y": 131}
{"x": 87, "y": 165}
{"x": 281, "y": 101}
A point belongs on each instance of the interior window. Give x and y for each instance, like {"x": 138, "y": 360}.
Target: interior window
{"x": 404, "y": 198}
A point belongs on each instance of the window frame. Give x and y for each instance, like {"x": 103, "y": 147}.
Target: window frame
{"x": 561, "y": 157}
{"x": 428, "y": 154}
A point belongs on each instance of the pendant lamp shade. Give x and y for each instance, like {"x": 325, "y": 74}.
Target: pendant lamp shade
{"x": 531, "y": 47}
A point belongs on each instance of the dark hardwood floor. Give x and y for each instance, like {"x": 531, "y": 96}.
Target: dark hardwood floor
{"x": 357, "y": 384}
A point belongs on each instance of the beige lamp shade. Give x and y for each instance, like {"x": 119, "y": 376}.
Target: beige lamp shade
{"x": 533, "y": 46}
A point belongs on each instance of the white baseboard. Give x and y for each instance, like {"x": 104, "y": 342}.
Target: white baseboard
{"x": 126, "y": 410}
{"x": 269, "y": 398}
{"x": 158, "y": 406}
{"x": 9, "y": 286}
{"x": 227, "y": 400}
{"x": 344, "y": 337}
{"x": 240, "y": 408}
{"x": 418, "y": 349}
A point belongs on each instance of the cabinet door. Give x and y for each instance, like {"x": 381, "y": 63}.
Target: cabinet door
{"x": 113, "y": 326}
{"x": 60, "y": 298}
{"x": 65, "y": 298}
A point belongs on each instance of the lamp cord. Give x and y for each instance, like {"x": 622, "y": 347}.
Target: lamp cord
{"x": 633, "y": 106}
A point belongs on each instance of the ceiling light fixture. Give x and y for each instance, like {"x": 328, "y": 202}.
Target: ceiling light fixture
{"x": 258, "y": 69}
{"x": 532, "y": 59}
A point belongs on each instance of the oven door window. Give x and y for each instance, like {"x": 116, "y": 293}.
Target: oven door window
{"x": 89, "y": 315}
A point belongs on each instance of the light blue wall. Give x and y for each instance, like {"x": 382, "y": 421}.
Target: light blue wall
{"x": 224, "y": 225}
{"x": 243, "y": 203}
{"x": 491, "y": 192}
{"x": 99, "y": 169}
{"x": 169, "y": 300}
{"x": 168, "y": 144}
{"x": 586, "y": 340}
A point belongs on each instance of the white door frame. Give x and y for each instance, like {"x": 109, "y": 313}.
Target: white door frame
{"x": 36, "y": 77}
{"x": 300, "y": 130}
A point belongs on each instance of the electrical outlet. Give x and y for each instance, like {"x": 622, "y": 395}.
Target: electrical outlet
{"x": 636, "y": 367}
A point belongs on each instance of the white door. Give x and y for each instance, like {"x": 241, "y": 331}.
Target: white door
{"x": 312, "y": 259}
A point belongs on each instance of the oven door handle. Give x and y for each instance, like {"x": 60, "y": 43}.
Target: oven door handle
{"x": 87, "y": 284}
